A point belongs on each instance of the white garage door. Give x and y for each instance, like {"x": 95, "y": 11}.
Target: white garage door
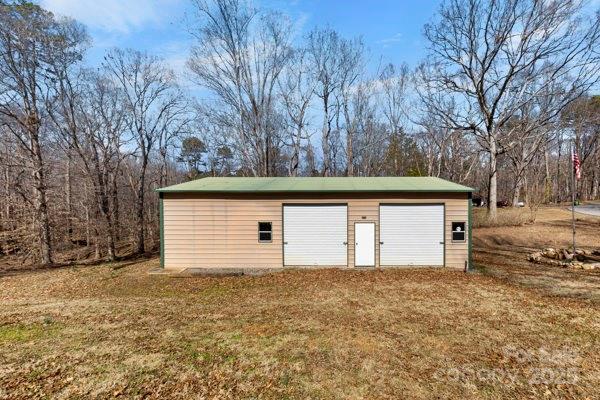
{"x": 315, "y": 235}
{"x": 411, "y": 234}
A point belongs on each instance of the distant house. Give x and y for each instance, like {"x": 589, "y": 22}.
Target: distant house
{"x": 315, "y": 222}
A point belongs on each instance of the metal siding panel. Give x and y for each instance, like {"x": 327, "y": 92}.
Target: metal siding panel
{"x": 220, "y": 233}
{"x": 315, "y": 235}
{"x": 469, "y": 227}
{"x": 412, "y": 234}
{"x": 162, "y": 229}
{"x": 215, "y": 232}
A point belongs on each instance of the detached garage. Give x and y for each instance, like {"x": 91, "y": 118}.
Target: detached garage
{"x": 238, "y": 223}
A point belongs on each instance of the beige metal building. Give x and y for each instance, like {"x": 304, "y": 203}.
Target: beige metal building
{"x": 237, "y": 223}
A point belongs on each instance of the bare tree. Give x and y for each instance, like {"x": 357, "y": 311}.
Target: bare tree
{"x": 297, "y": 87}
{"x": 366, "y": 136}
{"x": 490, "y": 58}
{"x": 310, "y": 160}
{"x": 30, "y": 40}
{"x": 524, "y": 152}
{"x": 506, "y": 87}
{"x": 239, "y": 55}
{"x": 88, "y": 114}
{"x": 394, "y": 87}
{"x": 582, "y": 121}
{"x": 154, "y": 103}
{"x": 351, "y": 68}
{"x": 324, "y": 47}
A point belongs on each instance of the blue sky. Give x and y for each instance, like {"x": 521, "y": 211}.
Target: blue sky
{"x": 391, "y": 29}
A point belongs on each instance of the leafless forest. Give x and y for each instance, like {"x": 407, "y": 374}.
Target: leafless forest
{"x": 506, "y": 88}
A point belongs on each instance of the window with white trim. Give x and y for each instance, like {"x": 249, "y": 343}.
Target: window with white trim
{"x": 458, "y": 232}
{"x": 265, "y": 232}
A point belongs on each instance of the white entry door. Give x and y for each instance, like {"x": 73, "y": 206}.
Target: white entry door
{"x": 411, "y": 234}
{"x": 315, "y": 235}
{"x": 364, "y": 244}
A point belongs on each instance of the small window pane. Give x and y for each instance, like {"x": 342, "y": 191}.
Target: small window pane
{"x": 458, "y": 231}
{"x": 458, "y": 226}
{"x": 458, "y": 236}
{"x": 264, "y": 236}
{"x": 265, "y": 231}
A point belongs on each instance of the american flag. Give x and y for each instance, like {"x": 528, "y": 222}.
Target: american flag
{"x": 576, "y": 166}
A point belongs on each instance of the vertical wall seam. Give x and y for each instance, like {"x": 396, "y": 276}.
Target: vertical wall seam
{"x": 162, "y": 229}
{"x": 470, "y": 220}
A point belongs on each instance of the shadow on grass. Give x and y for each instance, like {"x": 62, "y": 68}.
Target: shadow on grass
{"x": 120, "y": 263}
{"x": 548, "y": 280}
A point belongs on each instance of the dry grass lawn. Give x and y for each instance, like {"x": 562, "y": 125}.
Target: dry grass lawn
{"x": 97, "y": 332}
{"x": 502, "y": 252}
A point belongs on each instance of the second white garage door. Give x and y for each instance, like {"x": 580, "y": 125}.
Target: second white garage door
{"x": 315, "y": 235}
{"x": 411, "y": 234}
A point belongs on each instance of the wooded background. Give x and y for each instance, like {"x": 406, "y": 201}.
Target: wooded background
{"x": 505, "y": 90}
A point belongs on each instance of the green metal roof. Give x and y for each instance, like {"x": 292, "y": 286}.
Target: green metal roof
{"x": 317, "y": 185}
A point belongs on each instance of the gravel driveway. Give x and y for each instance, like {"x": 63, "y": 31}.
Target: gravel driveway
{"x": 589, "y": 209}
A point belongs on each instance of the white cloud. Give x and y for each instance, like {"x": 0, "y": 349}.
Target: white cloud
{"x": 175, "y": 54}
{"x": 390, "y": 40}
{"x": 299, "y": 22}
{"x": 118, "y": 16}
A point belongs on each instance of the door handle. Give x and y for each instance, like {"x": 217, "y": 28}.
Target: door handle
{"x": 441, "y": 242}
{"x": 284, "y": 242}
{"x": 380, "y": 242}
{"x": 345, "y": 243}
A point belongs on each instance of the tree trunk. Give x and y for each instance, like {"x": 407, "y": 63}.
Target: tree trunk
{"x": 547, "y": 179}
{"x": 526, "y": 191}
{"x": 493, "y": 182}
{"x": 111, "y": 238}
{"x": 583, "y": 190}
{"x": 596, "y": 172}
{"x": 104, "y": 206}
{"x": 595, "y": 184}
{"x": 88, "y": 233}
{"x": 517, "y": 192}
{"x": 114, "y": 196}
{"x": 40, "y": 201}
{"x": 7, "y": 205}
{"x": 97, "y": 253}
{"x": 139, "y": 209}
{"x": 519, "y": 180}
{"x": 164, "y": 176}
{"x": 69, "y": 197}
{"x": 558, "y": 187}
{"x": 325, "y": 138}
{"x": 349, "y": 150}
{"x": 295, "y": 161}
{"x": 267, "y": 155}
{"x": 430, "y": 162}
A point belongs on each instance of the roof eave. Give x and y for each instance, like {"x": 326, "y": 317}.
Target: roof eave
{"x": 241, "y": 191}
